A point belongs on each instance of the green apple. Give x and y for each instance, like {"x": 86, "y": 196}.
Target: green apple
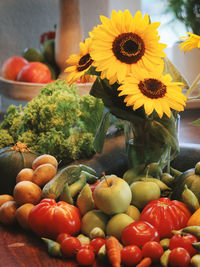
{"x": 117, "y": 223}
{"x": 92, "y": 219}
{"x": 112, "y": 195}
{"x": 143, "y": 192}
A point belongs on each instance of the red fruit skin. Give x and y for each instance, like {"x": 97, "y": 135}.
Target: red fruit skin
{"x": 184, "y": 241}
{"x": 179, "y": 257}
{"x": 153, "y": 250}
{"x": 12, "y": 66}
{"x": 138, "y": 233}
{"x": 34, "y": 72}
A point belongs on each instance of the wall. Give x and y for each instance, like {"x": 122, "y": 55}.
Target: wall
{"x": 22, "y": 21}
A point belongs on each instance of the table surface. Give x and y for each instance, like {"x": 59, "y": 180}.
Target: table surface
{"x": 22, "y": 249}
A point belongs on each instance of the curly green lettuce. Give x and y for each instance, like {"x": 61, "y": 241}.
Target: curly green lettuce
{"x": 58, "y": 122}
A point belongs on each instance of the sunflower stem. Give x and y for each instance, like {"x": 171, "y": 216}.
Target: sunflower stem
{"x": 189, "y": 91}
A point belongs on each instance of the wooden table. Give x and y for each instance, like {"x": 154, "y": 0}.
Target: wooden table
{"x": 22, "y": 249}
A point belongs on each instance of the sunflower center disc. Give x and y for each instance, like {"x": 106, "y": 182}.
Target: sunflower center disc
{"x": 128, "y": 47}
{"x": 152, "y": 88}
{"x": 84, "y": 62}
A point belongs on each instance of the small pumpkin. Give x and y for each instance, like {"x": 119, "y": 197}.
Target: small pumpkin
{"x": 12, "y": 160}
{"x": 190, "y": 178}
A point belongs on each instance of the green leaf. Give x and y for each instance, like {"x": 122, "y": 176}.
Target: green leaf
{"x": 102, "y": 131}
{"x": 164, "y": 130}
{"x": 97, "y": 89}
{"x": 92, "y": 71}
{"x": 174, "y": 72}
{"x": 196, "y": 122}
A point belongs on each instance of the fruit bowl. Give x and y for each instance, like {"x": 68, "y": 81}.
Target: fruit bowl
{"x": 25, "y": 91}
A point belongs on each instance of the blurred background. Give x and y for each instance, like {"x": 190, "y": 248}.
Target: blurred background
{"x": 22, "y": 21}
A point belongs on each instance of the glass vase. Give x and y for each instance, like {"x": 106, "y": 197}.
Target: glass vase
{"x": 144, "y": 148}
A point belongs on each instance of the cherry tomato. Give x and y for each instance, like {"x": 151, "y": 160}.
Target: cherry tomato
{"x": 153, "y": 250}
{"x": 61, "y": 237}
{"x": 131, "y": 255}
{"x": 138, "y": 233}
{"x": 70, "y": 246}
{"x": 166, "y": 215}
{"x": 48, "y": 218}
{"x": 87, "y": 246}
{"x": 183, "y": 241}
{"x": 85, "y": 256}
{"x": 97, "y": 243}
{"x": 179, "y": 257}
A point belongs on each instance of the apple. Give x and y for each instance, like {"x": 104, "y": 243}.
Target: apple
{"x": 34, "y": 72}
{"x": 143, "y": 192}
{"x": 117, "y": 223}
{"x": 112, "y": 195}
{"x": 92, "y": 219}
{"x": 12, "y": 66}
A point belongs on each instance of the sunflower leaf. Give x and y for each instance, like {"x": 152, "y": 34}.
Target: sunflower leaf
{"x": 102, "y": 131}
{"x": 170, "y": 68}
{"x": 164, "y": 130}
{"x": 97, "y": 89}
{"x": 196, "y": 122}
{"x": 92, "y": 71}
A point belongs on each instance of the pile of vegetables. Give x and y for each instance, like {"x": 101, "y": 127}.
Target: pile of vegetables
{"x": 57, "y": 122}
{"x": 60, "y": 206}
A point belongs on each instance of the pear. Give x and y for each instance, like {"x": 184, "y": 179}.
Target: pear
{"x": 130, "y": 174}
{"x": 85, "y": 200}
{"x": 133, "y": 212}
{"x": 117, "y": 223}
{"x": 92, "y": 219}
{"x": 143, "y": 192}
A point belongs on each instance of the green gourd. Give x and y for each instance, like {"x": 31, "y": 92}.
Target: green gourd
{"x": 12, "y": 161}
{"x": 190, "y": 178}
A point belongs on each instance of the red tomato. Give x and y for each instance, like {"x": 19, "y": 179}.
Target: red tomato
{"x": 34, "y": 72}
{"x": 61, "y": 237}
{"x": 97, "y": 243}
{"x": 179, "y": 257}
{"x": 184, "y": 241}
{"x": 166, "y": 215}
{"x": 153, "y": 250}
{"x": 85, "y": 256}
{"x": 12, "y": 66}
{"x": 131, "y": 255}
{"x": 48, "y": 218}
{"x": 138, "y": 233}
{"x": 70, "y": 246}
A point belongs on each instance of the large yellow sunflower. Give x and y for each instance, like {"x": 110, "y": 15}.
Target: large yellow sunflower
{"x": 123, "y": 44}
{"x": 154, "y": 91}
{"x": 80, "y": 62}
{"x": 192, "y": 41}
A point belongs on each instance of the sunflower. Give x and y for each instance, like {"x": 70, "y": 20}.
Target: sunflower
{"x": 123, "y": 44}
{"x": 81, "y": 62}
{"x": 191, "y": 42}
{"x": 154, "y": 91}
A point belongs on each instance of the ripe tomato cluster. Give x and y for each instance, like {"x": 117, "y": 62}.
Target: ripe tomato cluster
{"x": 71, "y": 247}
